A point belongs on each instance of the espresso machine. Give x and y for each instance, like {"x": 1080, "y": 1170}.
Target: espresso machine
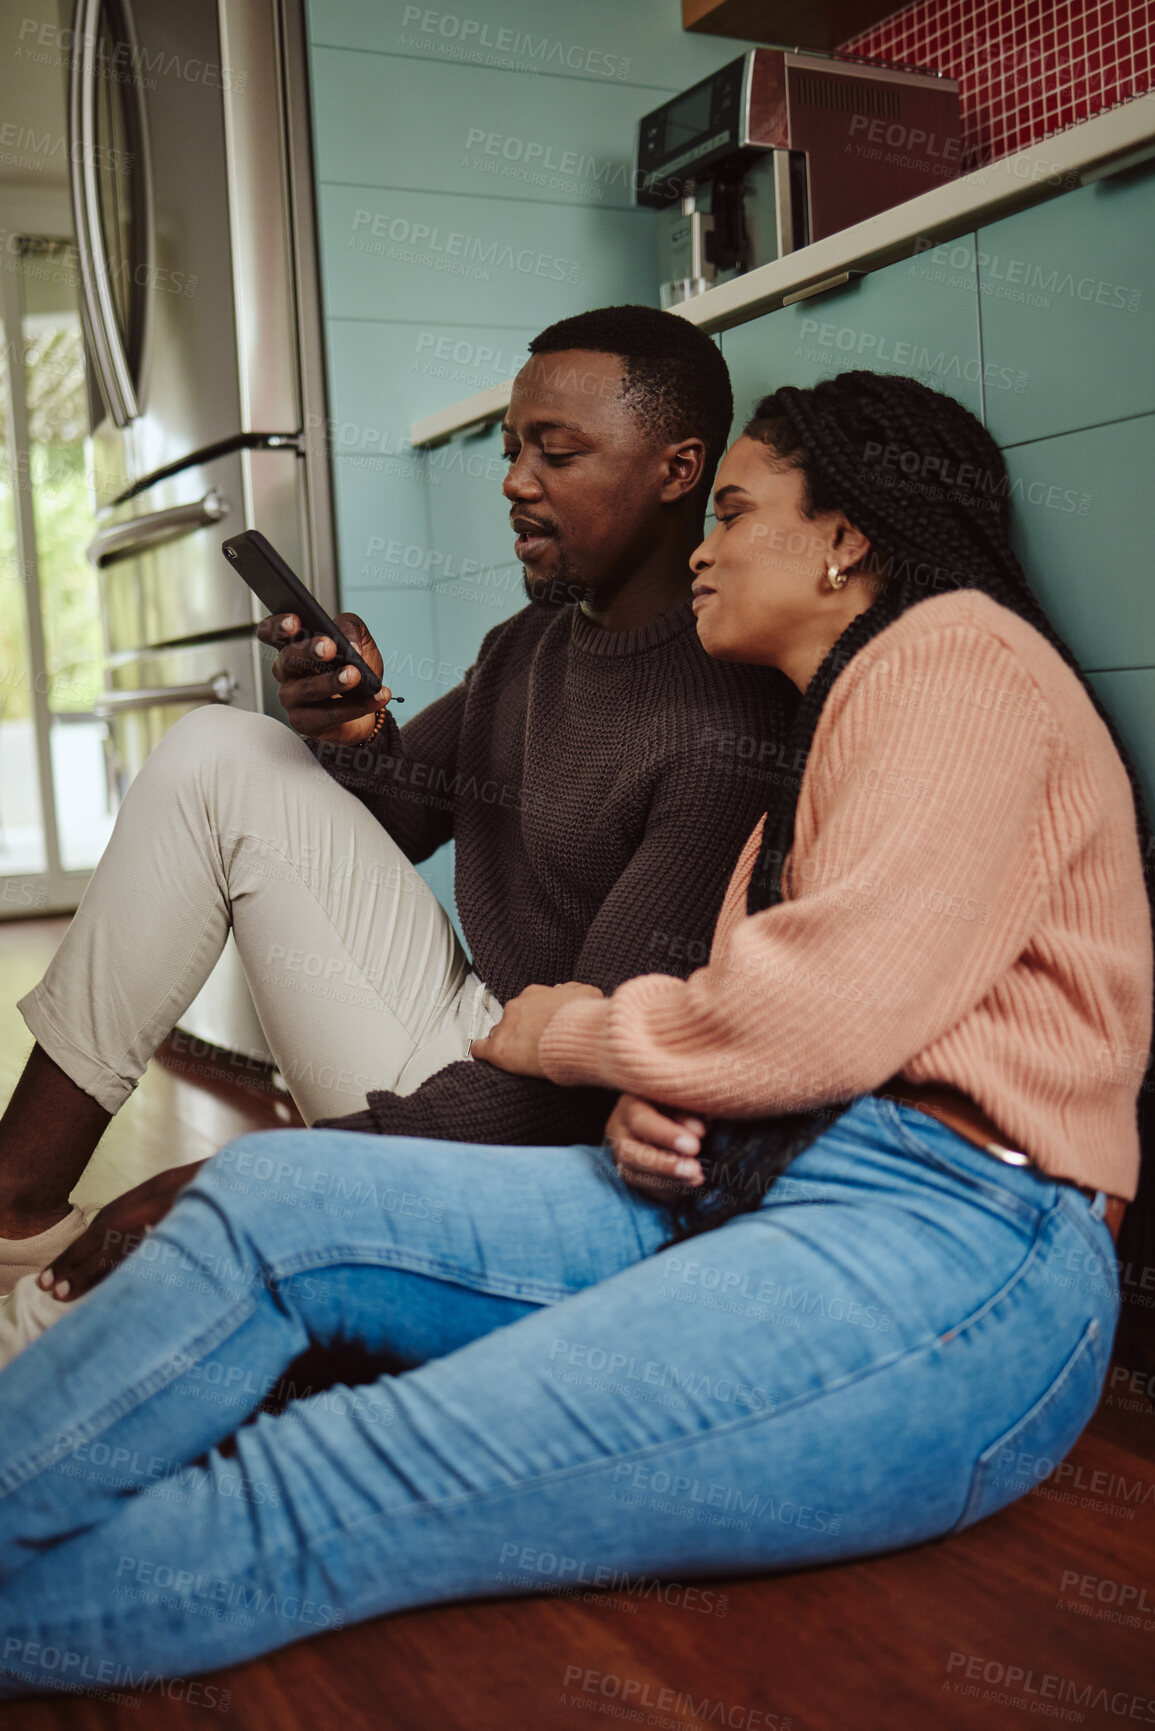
{"x": 780, "y": 148}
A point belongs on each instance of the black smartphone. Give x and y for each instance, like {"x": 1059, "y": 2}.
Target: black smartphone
{"x": 281, "y": 590}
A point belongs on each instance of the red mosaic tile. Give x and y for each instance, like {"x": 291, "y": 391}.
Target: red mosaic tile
{"x": 1026, "y": 68}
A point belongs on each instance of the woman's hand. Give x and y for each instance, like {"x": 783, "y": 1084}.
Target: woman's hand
{"x": 115, "y": 1231}
{"x": 656, "y": 1148}
{"x": 512, "y": 1043}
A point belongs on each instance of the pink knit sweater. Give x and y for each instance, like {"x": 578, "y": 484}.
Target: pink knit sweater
{"x": 965, "y": 905}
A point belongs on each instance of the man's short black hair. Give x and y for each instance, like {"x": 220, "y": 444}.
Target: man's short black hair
{"x": 676, "y": 385}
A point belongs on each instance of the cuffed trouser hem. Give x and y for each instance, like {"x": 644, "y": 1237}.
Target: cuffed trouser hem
{"x": 79, "y": 1064}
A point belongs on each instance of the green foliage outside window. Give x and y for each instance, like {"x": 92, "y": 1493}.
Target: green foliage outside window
{"x": 62, "y": 505}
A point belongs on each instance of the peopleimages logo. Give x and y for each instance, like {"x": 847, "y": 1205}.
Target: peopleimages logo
{"x": 1017, "y": 1684}
{"x": 75, "y": 1672}
{"x": 536, "y": 163}
{"x": 1026, "y": 279}
{"x": 477, "y": 39}
{"x": 121, "y": 62}
{"x": 186, "y": 1587}
{"x": 630, "y": 1694}
{"x": 449, "y": 249}
{"x": 44, "y": 147}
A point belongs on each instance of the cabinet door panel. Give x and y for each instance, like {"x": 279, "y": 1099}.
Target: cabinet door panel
{"x": 600, "y": 41}
{"x": 918, "y": 317}
{"x": 391, "y": 519}
{"x": 468, "y": 512}
{"x": 1084, "y": 540}
{"x": 1065, "y": 296}
{"x": 505, "y": 135}
{"x": 1130, "y": 698}
{"x": 420, "y": 256}
{"x": 401, "y": 621}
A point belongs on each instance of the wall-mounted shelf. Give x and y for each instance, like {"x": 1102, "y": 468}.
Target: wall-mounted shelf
{"x": 1069, "y": 159}
{"x": 786, "y": 23}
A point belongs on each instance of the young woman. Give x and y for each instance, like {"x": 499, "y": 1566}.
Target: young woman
{"x": 927, "y": 1006}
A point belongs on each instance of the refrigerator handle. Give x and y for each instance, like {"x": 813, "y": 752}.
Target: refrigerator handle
{"x": 221, "y": 689}
{"x": 121, "y": 391}
{"x": 126, "y": 540}
{"x": 81, "y": 72}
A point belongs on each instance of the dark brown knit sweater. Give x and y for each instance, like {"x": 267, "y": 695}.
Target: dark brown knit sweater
{"x": 599, "y": 786}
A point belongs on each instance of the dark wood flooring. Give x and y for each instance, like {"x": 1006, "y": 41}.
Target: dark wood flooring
{"x": 983, "y": 1630}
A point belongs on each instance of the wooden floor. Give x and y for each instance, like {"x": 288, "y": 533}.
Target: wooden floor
{"x": 977, "y": 1631}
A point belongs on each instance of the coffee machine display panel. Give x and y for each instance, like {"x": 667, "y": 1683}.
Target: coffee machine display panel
{"x": 778, "y": 149}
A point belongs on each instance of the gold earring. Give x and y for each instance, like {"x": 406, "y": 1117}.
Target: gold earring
{"x": 836, "y": 577}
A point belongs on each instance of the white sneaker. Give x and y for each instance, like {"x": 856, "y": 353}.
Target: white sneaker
{"x": 21, "y": 1256}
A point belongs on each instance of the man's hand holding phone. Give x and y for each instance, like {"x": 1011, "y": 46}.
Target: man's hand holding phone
{"x": 322, "y": 701}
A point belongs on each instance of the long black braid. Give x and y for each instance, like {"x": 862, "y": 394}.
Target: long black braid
{"x": 924, "y": 481}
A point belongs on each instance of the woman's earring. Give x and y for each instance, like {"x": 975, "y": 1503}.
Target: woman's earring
{"x": 836, "y": 577}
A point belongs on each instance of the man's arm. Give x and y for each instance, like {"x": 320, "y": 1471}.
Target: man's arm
{"x": 474, "y": 1102}
{"x": 406, "y": 778}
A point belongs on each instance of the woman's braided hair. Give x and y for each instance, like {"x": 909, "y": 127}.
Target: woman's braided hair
{"x": 924, "y": 481}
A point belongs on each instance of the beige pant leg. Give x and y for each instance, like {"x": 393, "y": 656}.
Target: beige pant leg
{"x": 24, "y": 1315}
{"x": 355, "y": 969}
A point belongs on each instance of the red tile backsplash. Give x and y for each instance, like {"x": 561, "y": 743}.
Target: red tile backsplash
{"x": 1026, "y": 68}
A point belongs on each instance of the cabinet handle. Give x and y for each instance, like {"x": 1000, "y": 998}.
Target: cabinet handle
{"x": 821, "y": 288}
{"x": 121, "y": 391}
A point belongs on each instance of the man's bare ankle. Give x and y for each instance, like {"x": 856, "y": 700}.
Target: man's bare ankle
{"x": 28, "y": 1220}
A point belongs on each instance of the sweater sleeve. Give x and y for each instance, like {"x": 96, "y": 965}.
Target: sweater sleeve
{"x": 473, "y": 1102}
{"x": 914, "y": 882}
{"x": 406, "y": 777}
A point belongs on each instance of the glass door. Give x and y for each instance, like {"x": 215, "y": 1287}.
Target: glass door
{"x": 55, "y": 809}
{"x": 23, "y": 856}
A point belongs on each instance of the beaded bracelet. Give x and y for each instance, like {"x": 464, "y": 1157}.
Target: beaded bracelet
{"x": 382, "y": 718}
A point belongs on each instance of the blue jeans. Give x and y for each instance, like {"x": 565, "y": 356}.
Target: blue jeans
{"x": 905, "y": 1336}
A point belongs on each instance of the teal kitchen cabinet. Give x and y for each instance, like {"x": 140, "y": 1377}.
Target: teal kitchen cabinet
{"x": 470, "y": 533}
{"x": 395, "y": 505}
{"x": 421, "y": 256}
{"x": 919, "y": 316}
{"x": 598, "y": 42}
{"x": 403, "y": 630}
{"x": 504, "y": 135}
{"x": 1084, "y": 539}
{"x": 1130, "y": 699}
{"x": 1066, "y": 296}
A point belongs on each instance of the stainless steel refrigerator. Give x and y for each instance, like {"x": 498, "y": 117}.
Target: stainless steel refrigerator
{"x": 192, "y": 194}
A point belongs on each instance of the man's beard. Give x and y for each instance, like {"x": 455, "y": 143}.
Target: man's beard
{"x": 561, "y": 590}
